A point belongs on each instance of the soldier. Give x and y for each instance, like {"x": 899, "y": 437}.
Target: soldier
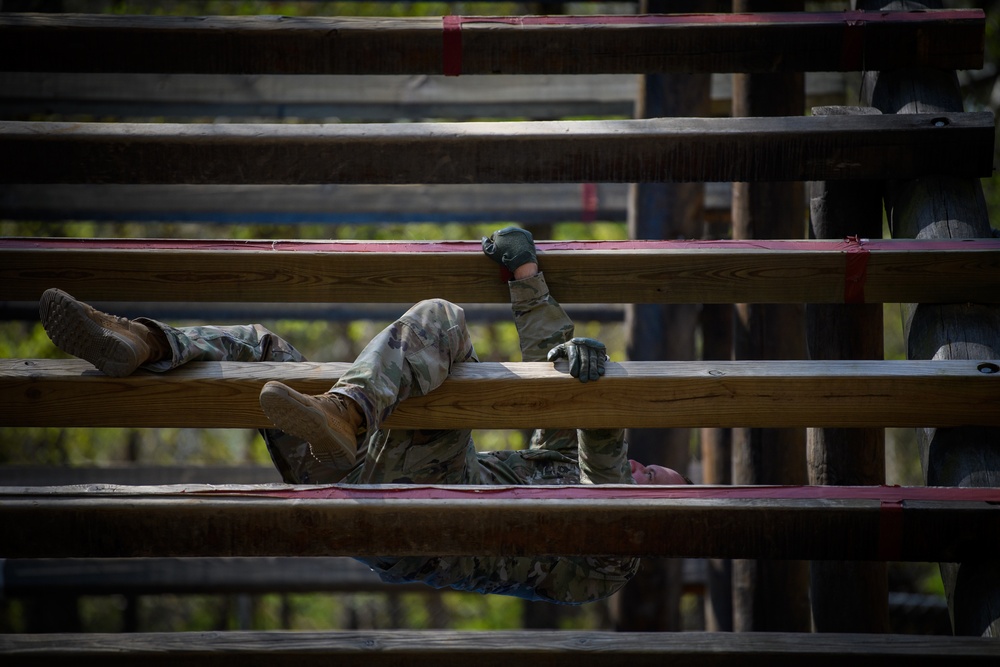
{"x": 336, "y": 437}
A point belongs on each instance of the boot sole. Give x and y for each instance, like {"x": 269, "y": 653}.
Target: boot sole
{"x": 292, "y": 413}
{"x": 66, "y": 323}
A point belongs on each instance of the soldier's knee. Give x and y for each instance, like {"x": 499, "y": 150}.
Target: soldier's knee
{"x": 439, "y": 310}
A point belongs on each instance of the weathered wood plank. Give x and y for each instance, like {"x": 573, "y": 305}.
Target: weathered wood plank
{"x": 42, "y": 392}
{"x": 578, "y": 272}
{"x": 136, "y": 474}
{"x": 687, "y": 522}
{"x": 178, "y": 576}
{"x": 495, "y": 649}
{"x": 606, "y": 151}
{"x": 834, "y": 41}
{"x": 152, "y": 576}
{"x": 176, "y": 311}
{"x": 341, "y": 204}
{"x": 369, "y": 99}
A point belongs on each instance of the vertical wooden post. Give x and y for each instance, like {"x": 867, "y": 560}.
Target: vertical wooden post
{"x": 945, "y": 208}
{"x": 717, "y": 466}
{"x": 769, "y": 595}
{"x": 651, "y": 602}
{"x": 717, "y": 444}
{"x": 846, "y": 596}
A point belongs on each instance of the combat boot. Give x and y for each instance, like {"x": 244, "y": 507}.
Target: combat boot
{"x": 116, "y": 345}
{"x": 330, "y": 423}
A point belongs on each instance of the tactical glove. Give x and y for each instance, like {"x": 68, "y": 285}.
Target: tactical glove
{"x": 586, "y": 357}
{"x": 511, "y": 247}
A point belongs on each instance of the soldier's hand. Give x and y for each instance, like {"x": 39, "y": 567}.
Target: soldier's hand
{"x": 586, "y": 357}
{"x": 511, "y": 246}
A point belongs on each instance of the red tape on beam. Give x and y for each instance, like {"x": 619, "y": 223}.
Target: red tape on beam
{"x": 451, "y": 47}
{"x": 852, "y": 50}
{"x": 855, "y": 270}
{"x": 890, "y": 530}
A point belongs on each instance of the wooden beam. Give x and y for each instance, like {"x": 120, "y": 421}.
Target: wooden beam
{"x": 585, "y": 272}
{"x": 451, "y": 648}
{"x": 382, "y": 98}
{"x": 44, "y": 392}
{"x": 176, "y": 311}
{"x": 525, "y": 203}
{"x": 833, "y": 41}
{"x": 798, "y": 148}
{"x": 136, "y": 474}
{"x": 679, "y": 522}
{"x": 179, "y": 576}
{"x": 211, "y": 576}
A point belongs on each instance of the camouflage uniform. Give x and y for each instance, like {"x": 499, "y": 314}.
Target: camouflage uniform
{"x": 411, "y": 357}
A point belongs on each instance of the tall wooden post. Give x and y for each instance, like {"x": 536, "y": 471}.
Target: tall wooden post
{"x": 651, "y": 602}
{"x": 717, "y": 444}
{"x": 945, "y": 208}
{"x": 847, "y": 596}
{"x": 717, "y": 466}
{"x": 769, "y": 595}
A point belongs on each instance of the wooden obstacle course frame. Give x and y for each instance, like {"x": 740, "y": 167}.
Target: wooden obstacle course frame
{"x": 794, "y": 148}
{"x": 498, "y": 648}
{"x": 578, "y": 272}
{"x": 840, "y": 523}
{"x": 769, "y": 42}
{"x": 40, "y": 392}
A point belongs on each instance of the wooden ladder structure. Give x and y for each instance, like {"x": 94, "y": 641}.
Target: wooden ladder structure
{"x": 954, "y": 395}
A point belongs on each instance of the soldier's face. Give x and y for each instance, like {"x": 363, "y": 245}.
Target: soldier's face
{"x": 654, "y": 474}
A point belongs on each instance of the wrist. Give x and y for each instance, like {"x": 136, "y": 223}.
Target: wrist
{"x": 526, "y": 270}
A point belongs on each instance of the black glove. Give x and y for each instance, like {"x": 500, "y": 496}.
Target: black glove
{"x": 511, "y": 247}
{"x": 586, "y": 357}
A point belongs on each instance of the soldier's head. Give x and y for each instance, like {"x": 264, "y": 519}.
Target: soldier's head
{"x": 654, "y": 474}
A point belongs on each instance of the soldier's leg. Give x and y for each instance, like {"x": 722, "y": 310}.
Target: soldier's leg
{"x": 401, "y": 456}
{"x": 242, "y": 342}
{"x": 410, "y": 357}
{"x": 118, "y": 345}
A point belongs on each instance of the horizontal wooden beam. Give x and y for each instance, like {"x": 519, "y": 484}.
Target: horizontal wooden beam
{"x": 832, "y": 41}
{"x": 152, "y": 576}
{"x": 187, "y": 311}
{"x": 451, "y": 648}
{"x": 526, "y": 203}
{"x": 375, "y": 98}
{"x": 614, "y": 272}
{"x": 799, "y": 148}
{"x": 43, "y": 392}
{"x": 682, "y": 522}
{"x": 136, "y": 474}
{"x": 210, "y": 576}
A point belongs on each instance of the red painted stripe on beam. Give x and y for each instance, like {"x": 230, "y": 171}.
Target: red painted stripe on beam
{"x": 451, "y": 46}
{"x": 890, "y": 530}
{"x": 856, "y": 270}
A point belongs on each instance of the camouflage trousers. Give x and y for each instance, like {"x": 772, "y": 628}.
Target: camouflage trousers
{"x": 412, "y": 357}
